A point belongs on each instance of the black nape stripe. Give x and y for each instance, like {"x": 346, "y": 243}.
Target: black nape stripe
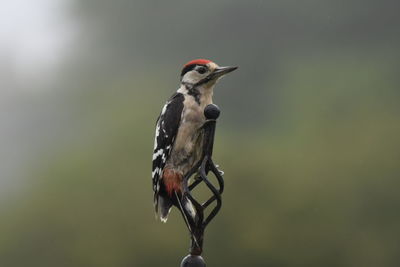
{"x": 195, "y": 93}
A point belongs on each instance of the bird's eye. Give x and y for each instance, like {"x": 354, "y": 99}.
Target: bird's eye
{"x": 201, "y": 70}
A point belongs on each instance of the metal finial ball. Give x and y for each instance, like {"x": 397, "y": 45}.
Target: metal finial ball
{"x": 193, "y": 261}
{"x": 212, "y": 112}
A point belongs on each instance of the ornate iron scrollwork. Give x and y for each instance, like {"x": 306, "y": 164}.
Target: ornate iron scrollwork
{"x": 199, "y": 222}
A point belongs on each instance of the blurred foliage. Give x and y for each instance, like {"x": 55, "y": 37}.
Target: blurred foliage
{"x": 308, "y": 137}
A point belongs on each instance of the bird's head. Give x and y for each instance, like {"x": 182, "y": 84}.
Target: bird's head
{"x": 203, "y": 72}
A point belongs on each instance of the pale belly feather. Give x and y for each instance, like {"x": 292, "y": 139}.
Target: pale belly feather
{"x": 188, "y": 143}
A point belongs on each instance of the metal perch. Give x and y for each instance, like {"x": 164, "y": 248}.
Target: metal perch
{"x": 198, "y": 224}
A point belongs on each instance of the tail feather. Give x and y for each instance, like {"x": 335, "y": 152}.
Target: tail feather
{"x": 164, "y": 207}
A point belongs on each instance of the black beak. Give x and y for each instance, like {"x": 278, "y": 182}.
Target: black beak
{"x": 217, "y": 73}
{"x": 221, "y": 71}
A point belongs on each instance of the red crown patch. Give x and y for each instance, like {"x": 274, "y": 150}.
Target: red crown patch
{"x": 198, "y": 62}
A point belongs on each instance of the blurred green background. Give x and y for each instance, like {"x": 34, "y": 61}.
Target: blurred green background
{"x": 308, "y": 136}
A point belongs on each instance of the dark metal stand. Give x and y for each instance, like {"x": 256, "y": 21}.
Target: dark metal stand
{"x": 198, "y": 224}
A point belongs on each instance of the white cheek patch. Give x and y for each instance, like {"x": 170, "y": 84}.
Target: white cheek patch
{"x": 192, "y": 77}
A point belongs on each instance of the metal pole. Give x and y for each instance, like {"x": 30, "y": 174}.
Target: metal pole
{"x": 198, "y": 224}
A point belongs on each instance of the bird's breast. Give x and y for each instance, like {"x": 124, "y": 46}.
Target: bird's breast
{"x": 188, "y": 142}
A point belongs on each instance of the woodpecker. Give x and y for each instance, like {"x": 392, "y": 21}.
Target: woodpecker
{"x": 178, "y": 139}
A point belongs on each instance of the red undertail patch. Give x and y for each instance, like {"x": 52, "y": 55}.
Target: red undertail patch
{"x": 172, "y": 181}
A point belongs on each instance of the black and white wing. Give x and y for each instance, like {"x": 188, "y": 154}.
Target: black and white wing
{"x": 166, "y": 130}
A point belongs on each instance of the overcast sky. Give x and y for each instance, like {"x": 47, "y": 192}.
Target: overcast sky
{"x": 33, "y": 35}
